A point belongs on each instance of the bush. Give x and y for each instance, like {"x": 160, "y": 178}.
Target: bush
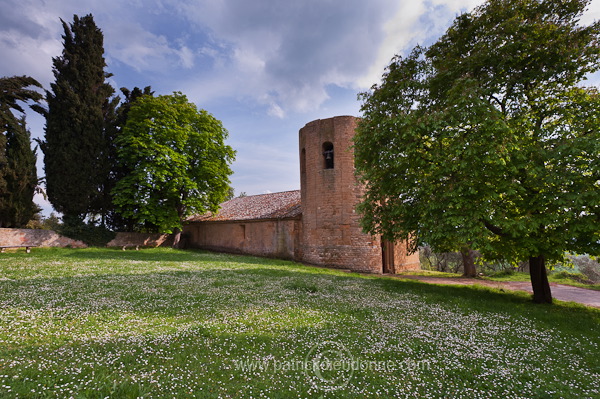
{"x": 95, "y": 236}
{"x": 38, "y": 222}
{"x": 449, "y": 262}
{"x": 452, "y": 262}
{"x": 578, "y": 277}
{"x": 502, "y": 273}
{"x": 587, "y": 266}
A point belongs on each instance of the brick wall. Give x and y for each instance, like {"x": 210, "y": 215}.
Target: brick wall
{"x": 40, "y": 238}
{"x": 332, "y": 235}
{"x": 329, "y": 232}
{"x": 142, "y": 240}
{"x": 270, "y": 238}
{"x": 404, "y": 261}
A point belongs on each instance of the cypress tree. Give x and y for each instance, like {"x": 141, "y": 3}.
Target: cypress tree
{"x": 17, "y": 206}
{"x": 18, "y": 173}
{"x": 3, "y": 169}
{"x": 75, "y": 147}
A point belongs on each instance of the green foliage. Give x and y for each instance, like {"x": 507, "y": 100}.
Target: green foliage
{"x": 16, "y": 203}
{"x": 79, "y": 107}
{"x": 92, "y": 235}
{"x": 177, "y": 162}
{"x": 18, "y": 173}
{"x": 38, "y": 222}
{"x": 485, "y": 138}
{"x": 565, "y": 275}
{"x": 118, "y": 170}
{"x": 502, "y": 273}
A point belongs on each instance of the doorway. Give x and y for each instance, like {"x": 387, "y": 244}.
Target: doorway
{"x": 387, "y": 256}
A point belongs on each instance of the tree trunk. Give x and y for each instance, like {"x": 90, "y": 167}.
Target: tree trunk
{"x": 539, "y": 280}
{"x": 176, "y": 237}
{"x": 468, "y": 258}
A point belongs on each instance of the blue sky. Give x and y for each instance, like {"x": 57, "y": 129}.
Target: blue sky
{"x": 263, "y": 67}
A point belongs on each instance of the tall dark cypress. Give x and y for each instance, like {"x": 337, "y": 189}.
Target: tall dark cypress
{"x": 18, "y": 173}
{"x": 21, "y": 177}
{"x": 76, "y": 145}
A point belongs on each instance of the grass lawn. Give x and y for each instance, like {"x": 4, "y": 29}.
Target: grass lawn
{"x": 559, "y": 278}
{"x": 161, "y": 323}
{"x": 553, "y": 277}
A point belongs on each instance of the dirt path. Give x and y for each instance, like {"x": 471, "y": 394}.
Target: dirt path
{"x": 559, "y": 291}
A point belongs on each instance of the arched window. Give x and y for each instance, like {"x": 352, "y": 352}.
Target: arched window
{"x": 328, "y": 155}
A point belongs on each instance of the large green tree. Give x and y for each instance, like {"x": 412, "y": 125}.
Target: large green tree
{"x": 79, "y": 104}
{"x": 18, "y": 173}
{"x": 118, "y": 170}
{"x": 177, "y": 160}
{"x": 486, "y": 139}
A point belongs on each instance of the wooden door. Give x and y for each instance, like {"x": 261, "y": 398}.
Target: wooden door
{"x": 387, "y": 256}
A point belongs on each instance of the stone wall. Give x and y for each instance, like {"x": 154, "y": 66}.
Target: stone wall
{"x": 142, "y": 240}
{"x": 39, "y": 238}
{"x": 269, "y": 238}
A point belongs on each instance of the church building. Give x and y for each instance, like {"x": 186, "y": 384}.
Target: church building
{"x": 317, "y": 224}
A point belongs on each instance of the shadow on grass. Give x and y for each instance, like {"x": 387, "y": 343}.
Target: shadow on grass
{"x": 566, "y": 315}
{"x": 195, "y": 296}
{"x": 269, "y": 271}
{"x": 467, "y": 298}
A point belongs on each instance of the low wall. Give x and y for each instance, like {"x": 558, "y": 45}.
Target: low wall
{"x": 141, "y": 239}
{"x": 269, "y": 238}
{"x": 40, "y": 238}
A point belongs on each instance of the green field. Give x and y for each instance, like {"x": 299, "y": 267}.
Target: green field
{"x": 162, "y": 323}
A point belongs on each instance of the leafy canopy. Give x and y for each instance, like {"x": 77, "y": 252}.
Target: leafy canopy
{"x": 177, "y": 162}
{"x": 487, "y": 138}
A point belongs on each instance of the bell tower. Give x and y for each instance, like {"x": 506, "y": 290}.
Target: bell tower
{"x": 331, "y": 232}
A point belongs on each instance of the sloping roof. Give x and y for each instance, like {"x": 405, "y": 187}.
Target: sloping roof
{"x": 256, "y": 207}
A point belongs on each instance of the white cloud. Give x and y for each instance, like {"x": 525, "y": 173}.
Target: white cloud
{"x": 289, "y": 53}
{"x": 142, "y": 50}
{"x": 400, "y": 30}
{"x": 281, "y": 54}
{"x": 286, "y": 53}
{"x": 186, "y": 57}
{"x": 413, "y": 23}
{"x": 276, "y": 111}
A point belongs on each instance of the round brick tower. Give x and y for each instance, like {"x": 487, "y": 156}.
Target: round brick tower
{"x": 331, "y": 233}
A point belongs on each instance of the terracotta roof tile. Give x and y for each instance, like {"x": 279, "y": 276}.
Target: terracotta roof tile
{"x": 256, "y": 207}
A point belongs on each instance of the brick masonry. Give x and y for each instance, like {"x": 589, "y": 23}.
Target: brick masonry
{"x": 328, "y": 232}
{"x": 269, "y": 238}
{"x": 332, "y": 235}
{"x": 141, "y": 239}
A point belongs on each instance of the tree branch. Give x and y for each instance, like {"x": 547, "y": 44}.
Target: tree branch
{"x": 494, "y": 229}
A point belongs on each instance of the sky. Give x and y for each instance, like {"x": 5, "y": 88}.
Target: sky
{"x": 265, "y": 68}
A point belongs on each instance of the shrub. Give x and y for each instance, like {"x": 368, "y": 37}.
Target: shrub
{"x": 578, "y": 277}
{"x": 95, "y": 236}
{"x": 502, "y": 273}
{"x": 587, "y": 266}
